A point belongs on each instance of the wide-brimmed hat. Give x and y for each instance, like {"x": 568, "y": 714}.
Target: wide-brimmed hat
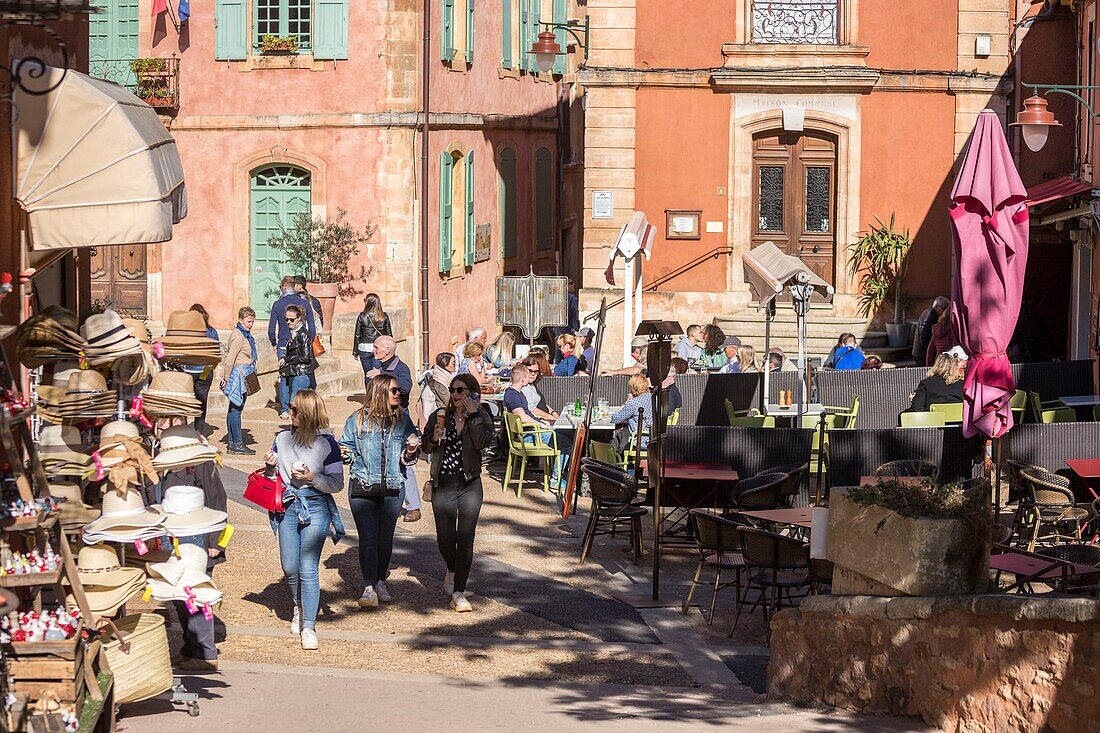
{"x": 85, "y": 395}
{"x": 124, "y": 512}
{"x": 185, "y": 509}
{"x": 180, "y": 447}
{"x": 183, "y": 573}
{"x": 171, "y": 394}
{"x": 72, "y": 508}
{"x": 106, "y": 600}
{"x": 113, "y": 439}
{"x": 48, "y": 337}
{"x": 187, "y": 342}
{"x": 99, "y": 565}
{"x": 62, "y": 444}
{"x": 108, "y": 338}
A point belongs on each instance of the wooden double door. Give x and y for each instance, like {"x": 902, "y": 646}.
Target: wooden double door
{"x": 794, "y": 196}
{"x": 119, "y": 279}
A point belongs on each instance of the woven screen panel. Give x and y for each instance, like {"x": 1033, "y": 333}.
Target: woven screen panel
{"x": 856, "y": 453}
{"x": 1056, "y": 378}
{"x": 748, "y": 450}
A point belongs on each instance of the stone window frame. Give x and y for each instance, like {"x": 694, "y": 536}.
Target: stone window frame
{"x": 847, "y": 27}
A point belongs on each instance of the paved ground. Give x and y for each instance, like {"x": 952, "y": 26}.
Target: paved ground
{"x": 552, "y": 644}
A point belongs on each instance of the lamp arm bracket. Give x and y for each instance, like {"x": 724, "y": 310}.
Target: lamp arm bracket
{"x": 573, "y": 27}
{"x": 1066, "y": 89}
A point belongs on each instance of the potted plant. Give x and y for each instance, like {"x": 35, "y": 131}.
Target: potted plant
{"x": 323, "y": 251}
{"x": 153, "y": 81}
{"x": 880, "y": 257}
{"x": 278, "y": 45}
{"x": 910, "y": 537}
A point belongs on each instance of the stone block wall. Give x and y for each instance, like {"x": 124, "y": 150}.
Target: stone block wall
{"x": 962, "y": 663}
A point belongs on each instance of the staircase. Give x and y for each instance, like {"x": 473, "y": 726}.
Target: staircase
{"x": 336, "y": 375}
{"x": 822, "y": 330}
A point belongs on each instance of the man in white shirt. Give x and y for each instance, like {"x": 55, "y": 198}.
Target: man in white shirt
{"x": 690, "y": 346}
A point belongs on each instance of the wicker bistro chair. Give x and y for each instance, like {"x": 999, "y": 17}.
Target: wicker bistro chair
{"x": 1018, "y": 493}
{"x": 1079, "y": 555}
{"x": 1049, "y": 505}
{"x": 614, "y": 503}
{"x": 762, "y": 491}
{"x": 519, "y": 450}
{"x": 793, "y": 485}
{"x": 719, "y": 550}
{"x": 776, "y": 566}
{"x": 908, "y": 468}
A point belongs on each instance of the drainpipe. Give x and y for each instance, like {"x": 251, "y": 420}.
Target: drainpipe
{"x": 425, "y": 350}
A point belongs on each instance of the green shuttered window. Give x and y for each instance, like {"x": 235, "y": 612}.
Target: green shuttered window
{"x": 506, "y": 33}
{"x": 560, "y": 19}
{"x": 532, "y": 34}
{"x": 447, "y": 40}
{"x": 446, "y": 166}
{"x": 230, "y": 30}
{"x": 508, "y": 207}
{"x": 469, "y": 31}
{"x": 469, "y": 240}
{"x": 330, "y": 36}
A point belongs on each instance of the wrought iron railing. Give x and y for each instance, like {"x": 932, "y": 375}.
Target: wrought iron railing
{"x": 795, "y": 21}
{"x": 154, "y": 80}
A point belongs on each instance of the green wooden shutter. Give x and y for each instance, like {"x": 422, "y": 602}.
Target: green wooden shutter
{"x": 524, "y": 57}
{"x": 506, "y": 34}
{"x": 560, "y": 19}
{"x": 446, "y": 164}
{"x": 447, "y": 49}
{"x": 469, "y": 242}
{"x": 230, "y": 32}
{"x": 330, "y": 34}
{"x": 533, "y": 34}
{"x": 544, "y": 200}
{"x": 508, "y": 212}
{"x": 469, "y": 31}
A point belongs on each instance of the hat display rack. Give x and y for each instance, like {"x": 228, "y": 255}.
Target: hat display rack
{"x": 98, "y": 389}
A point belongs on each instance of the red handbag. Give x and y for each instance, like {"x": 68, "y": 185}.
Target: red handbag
{"x": 265, "y": 492}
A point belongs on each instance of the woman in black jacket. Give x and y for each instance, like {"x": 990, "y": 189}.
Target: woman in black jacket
{"x": 943, "y": 384}
{"x": 371, "y": 323}
{"x": 455, "y": 438}
{"x": 299, "y": 364}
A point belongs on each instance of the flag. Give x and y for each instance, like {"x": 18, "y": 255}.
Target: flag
{"x": 184, "y": 11}
{"x": 159, "y": 6}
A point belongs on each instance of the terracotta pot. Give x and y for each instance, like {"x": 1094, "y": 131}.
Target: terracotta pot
{"x": 327, "y": 294}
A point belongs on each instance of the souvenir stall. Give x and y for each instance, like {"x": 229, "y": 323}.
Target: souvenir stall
{"x": 119, "y": 479}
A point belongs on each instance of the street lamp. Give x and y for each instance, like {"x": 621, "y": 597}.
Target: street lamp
{"x": 1035, "y": 121}
{"x": 547, "y": 49}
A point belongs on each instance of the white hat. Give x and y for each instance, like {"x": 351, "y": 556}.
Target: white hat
{"x": 958, "y": 352}
{"x": 184, "y": 509}
{"x": 172, "y": 580}
{"x": 112, "y": 440}
{"x": 127, "y": 512}
{"x": 180, "y": 447}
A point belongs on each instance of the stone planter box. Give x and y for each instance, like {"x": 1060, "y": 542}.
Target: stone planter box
{"x": 878, "y": 552}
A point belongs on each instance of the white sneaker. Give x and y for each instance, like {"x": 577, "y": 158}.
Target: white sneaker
{"x": 460, "y": 604}
{"x": 296, "y": 621}
{"x": 449, "y": 584}
{"x": 383, "y": 592}
{"x": 369, "y": 599}
{"x": 309, "y": 639}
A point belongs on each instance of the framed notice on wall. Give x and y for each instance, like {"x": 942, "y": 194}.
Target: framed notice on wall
{"x": 682, "y": 224}
{"x": 603, "y": 204}
{"x": 483, "y": 239}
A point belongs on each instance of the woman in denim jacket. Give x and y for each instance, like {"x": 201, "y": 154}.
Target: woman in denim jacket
{"x": 379, "y": 441}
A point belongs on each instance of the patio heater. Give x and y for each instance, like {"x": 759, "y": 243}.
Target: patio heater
{"x": 633, "y": 244}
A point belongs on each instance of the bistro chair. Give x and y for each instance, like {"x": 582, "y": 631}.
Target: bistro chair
{"x": 1018, "y": 493}
{"x": 1096, "y": 413}
{"x": 908, "y": 468}
{"x": 812, "y": 422}
{"x": 604, "y": 453}
{"x": 776, "y": 566}
{"x": 762, "y": 491}
{"x": 793, "y": 485}
{"x": 673, "y": 418}
{"x": 614, "y": 503}
{"x": 519, "y": 450}
{"x": 923, "y": 420}
{"x": 844, "y": 418}
{"x": 1050, "y": 505}
{"x": 821, "y": 575}
{"x": 719, "y": 550}
{"x": 753, "y": 421}
{"x": 1018, "y": 405}
{"x": 952, "y": 412}
{"x": 732, "y": 412}
{"x": 1051, "y": 411}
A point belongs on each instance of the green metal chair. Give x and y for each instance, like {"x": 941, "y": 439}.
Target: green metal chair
{"x": 604, "y": 453}
{"x": 732, "y": 414}
{"x": 923, "y": 420}
{"x": 674, "y": 417}
{"x": 844, "y": 418}
{"x": 1050, "y": 411}
{"x": 1018, "y": 405}
{"x": 952, "y": 412}
{"x": 521, "y": 451}
{"x": 753, "y": 421}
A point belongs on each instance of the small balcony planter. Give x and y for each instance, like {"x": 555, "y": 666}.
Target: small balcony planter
{"x": 278, "y": 45}
{"x": 896, "y": 538}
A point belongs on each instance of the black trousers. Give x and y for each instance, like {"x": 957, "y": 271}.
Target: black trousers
{"x": 202, "y": 392}
{"x": 198, "y": 633}
{"x": 456, "y": 506}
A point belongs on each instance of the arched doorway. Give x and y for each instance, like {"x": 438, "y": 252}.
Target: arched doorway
{"x": 279, "y": 193}
{"x": 794, "y": 196}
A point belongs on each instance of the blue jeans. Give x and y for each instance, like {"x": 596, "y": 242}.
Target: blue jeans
{"x": 233, "y": 422}
{"x": 559, "y": 464}
{"x": 375, "y": 521}
{"x": 290, "y": 386}
{"x": 300, "y": 554}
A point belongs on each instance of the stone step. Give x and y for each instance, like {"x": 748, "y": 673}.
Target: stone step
{"x": 330, "y": 383}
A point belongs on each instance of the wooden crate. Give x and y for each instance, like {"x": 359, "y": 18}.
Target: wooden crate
{"x": 54, "y": 666}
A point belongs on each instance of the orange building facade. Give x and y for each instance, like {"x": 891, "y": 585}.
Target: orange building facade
{"x": 738, "y": 122}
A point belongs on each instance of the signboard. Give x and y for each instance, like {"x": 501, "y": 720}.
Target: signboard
{"x": 483, "y": 241}
{"x": 603, "y": 204}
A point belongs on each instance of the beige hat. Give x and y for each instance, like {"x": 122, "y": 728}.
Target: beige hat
{"x": 73, "y": 509}
{"x": 108, "y": 338}
{"x": 113, "y": 439}
{"x": 171, "y": 580}
{"x": 48, "y": 337}
{"x": 124, "y": 512}
{"x": 186, "y": 341}
{"x": 185, "y": 508}
{"x": 180, "y": 447}
{"x": 99, "y": 565}
{"x": 171, "y": 394}
{"x": 85, "y": 382}
{"x": 62, "y": 443}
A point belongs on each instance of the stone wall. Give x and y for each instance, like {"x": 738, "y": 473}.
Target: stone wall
{"x": 962, "y": 663}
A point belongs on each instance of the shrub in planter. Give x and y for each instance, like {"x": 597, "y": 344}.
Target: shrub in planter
{"x": 895, "y": 538}
{"x": 278, "y": 44}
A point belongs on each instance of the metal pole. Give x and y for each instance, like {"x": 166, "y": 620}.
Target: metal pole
{"x": 769, "y": 314}
{"x": 426, "y": 63}
{"x": 628, "y": 309}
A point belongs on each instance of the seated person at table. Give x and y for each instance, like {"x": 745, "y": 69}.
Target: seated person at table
{"x": 626, "y": 417}
{"x": 691, "y": 345}
{"x": 680, "y": 366}
{"x": 944, "y": 384}
{"x": 638, "y": 348}
{"x": 477, "y": 366}
{"x": 536, "y": 403}
{"x": 516, "y": 403}
{"x": 730, "y": 346}
{"x": 713, "y": 356}
{"x": 588, "y": 351}
{"x": 746, "y": 360}
{"x": 567, "y": 367}
{"x": 778, "y": 361}
{"x": 536, "y": 359}
{"x": 848, "y": 355}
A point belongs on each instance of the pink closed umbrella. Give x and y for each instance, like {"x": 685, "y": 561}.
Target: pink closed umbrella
{"x": 989, "y": 220}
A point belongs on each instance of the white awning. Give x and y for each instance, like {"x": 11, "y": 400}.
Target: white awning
{"x": 768, "y": 270}
{"x": 94, "y": 165}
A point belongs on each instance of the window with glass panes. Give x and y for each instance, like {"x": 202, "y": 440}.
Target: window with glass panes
{"x": 284, "y": 18}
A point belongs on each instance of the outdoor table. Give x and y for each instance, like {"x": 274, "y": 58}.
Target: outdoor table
{"x": 568, "y": 421}
{"x": 1088, "y": 400}
{"x": 688, "y": 486}
{"x": 794, "y": 517}
{"x": 1029, "y": 567}
{"x": 1086, "y": 468}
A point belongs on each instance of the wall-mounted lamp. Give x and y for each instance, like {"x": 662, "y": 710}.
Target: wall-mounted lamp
{"x": 546, "y": 49}
{"x": 1035, "y": 121}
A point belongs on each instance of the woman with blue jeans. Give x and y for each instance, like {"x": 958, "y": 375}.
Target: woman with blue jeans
{"x": 379, "y": 441}
{"x": 239, "y": 362}
{"x": 308, "y": 461}
{"x": 298, "y": 364}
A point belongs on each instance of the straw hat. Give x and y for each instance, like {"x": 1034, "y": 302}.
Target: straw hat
{"x": 62, "y": 372}
{"x": 85, "y": 395}
{"x": 48, "y": 337}
{"x": 185, "y": 327}
{"x": 108, "y": 337}
{"x": 185, "y": 509}
{"x": 171, "y": 394}
{"x": 98, "y": 565}
{"x": 61, "y": 443}
{"x": 113, "y": 439}
{"x": 139, "y": 331}
{"x": 185, "y": 340}
{"x": 180, "y": 447}
{"x": 124, "y": 513}
{"x": 171, "y": 580}
{"x": 73, "y": 509}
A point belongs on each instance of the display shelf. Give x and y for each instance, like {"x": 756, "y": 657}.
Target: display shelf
{"x": 22, "y": 581}
{"x": 24, "y": 524}
{"x": 7, "y": 420}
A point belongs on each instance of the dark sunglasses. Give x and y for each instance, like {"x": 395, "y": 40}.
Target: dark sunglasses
{"x": 459, "y": 390}
{"x": 395, "y": 390}
{"x": 292, "y": 320}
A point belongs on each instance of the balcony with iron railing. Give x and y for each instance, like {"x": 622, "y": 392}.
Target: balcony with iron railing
{"x": 795, "y": 22}
{"x": 153, "y": 80}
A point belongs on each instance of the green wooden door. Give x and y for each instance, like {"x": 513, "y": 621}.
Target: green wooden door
{"x": 279, "y": 193}
{"x": 113, "y": 40}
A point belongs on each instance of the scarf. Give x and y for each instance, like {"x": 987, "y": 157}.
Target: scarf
{"x": 251, "y": 341}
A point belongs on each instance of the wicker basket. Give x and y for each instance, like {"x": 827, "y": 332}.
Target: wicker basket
{"x": 146, "y": 670}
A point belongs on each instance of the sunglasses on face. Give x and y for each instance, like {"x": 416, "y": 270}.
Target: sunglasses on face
{"x": 395, "y": 390}
{"x": 459, "y": 390}
{"x": 292, "y": 320}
